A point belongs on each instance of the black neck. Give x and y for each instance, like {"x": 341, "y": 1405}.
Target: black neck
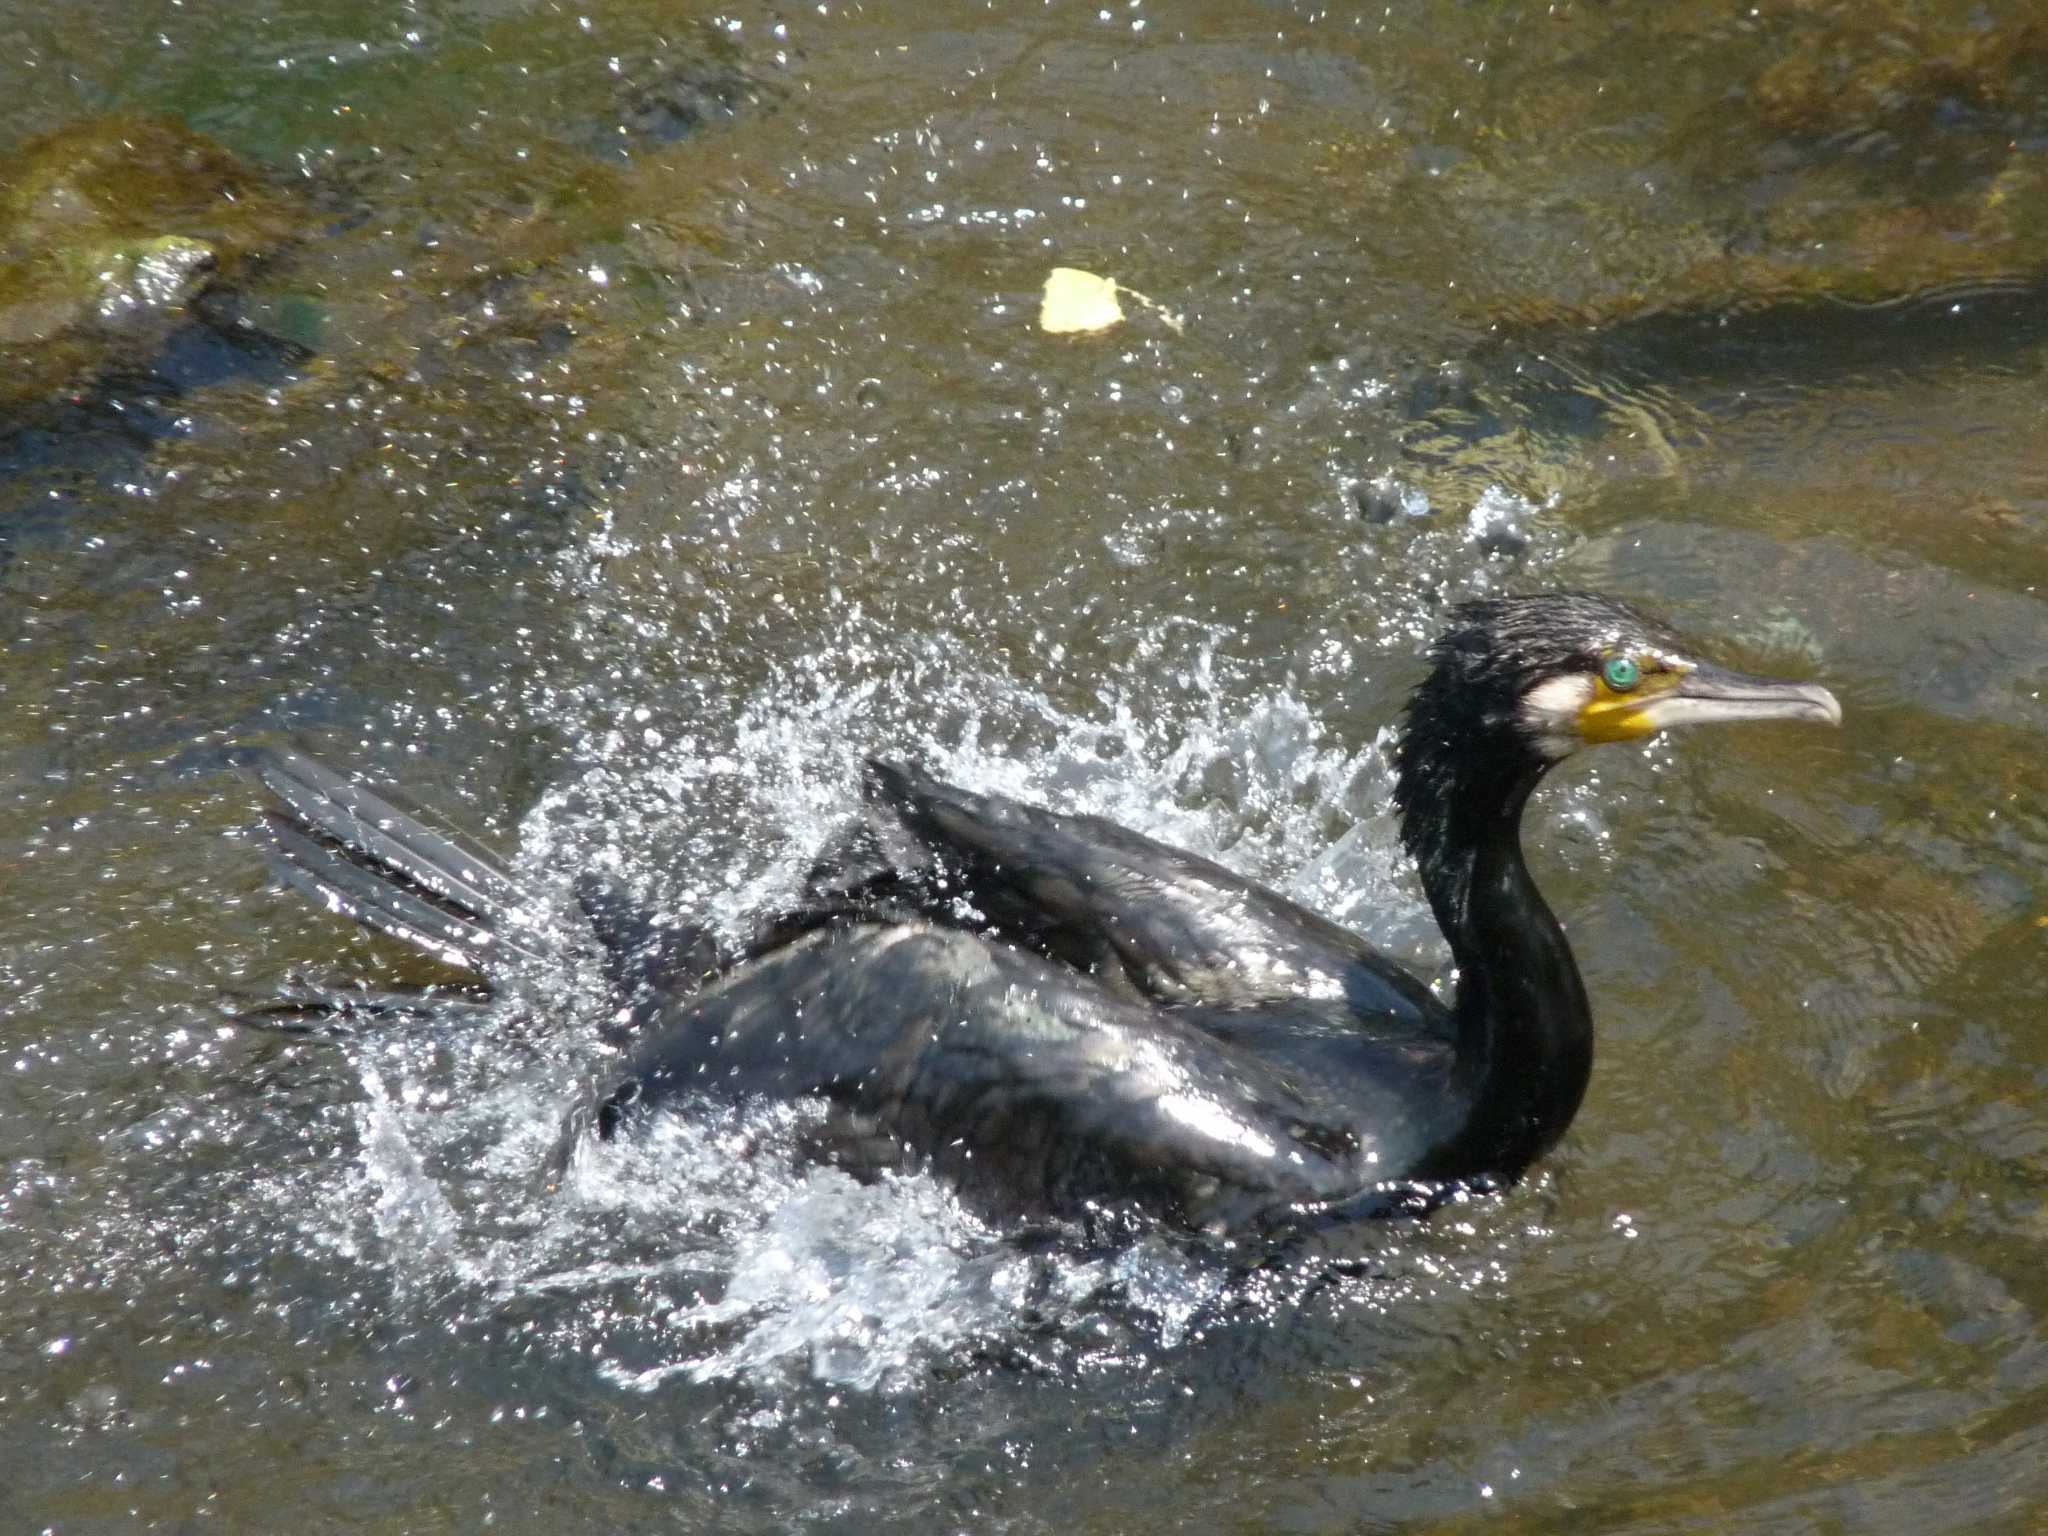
{"x": 1524, "y": 1031}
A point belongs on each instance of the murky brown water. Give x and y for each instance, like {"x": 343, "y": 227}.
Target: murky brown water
{"x": 675, "y": 426}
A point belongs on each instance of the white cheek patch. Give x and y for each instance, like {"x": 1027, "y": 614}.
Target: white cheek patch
{"x": 1550, "y": 713}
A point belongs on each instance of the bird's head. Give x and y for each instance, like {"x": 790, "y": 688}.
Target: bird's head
{"x": 1519, "y": 683}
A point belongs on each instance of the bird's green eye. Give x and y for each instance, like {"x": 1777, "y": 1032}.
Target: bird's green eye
{"x": 1621, "y": 673}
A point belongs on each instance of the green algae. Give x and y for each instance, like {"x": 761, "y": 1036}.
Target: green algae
{"x": 110, "y": 228}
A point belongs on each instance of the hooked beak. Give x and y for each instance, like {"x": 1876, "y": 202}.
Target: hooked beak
{"x": 1708, "y": 694}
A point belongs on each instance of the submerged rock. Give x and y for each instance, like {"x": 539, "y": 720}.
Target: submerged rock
{"x": 110, "y": 230}
{"x": 1858, "y": 66}
{"x": 674, "y": 93}
{"x": 1875, "y": 154}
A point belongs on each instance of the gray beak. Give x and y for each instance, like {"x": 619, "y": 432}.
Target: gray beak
{"x": 1709, "y": 694}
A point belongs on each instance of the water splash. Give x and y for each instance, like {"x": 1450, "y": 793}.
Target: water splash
{"x": 707, "y": 1249}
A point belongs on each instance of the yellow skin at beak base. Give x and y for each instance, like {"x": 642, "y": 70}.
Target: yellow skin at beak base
{"x": 1612, "y": 716}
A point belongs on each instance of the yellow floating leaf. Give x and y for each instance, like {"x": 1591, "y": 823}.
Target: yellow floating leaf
{"x": 1077, "y": 301}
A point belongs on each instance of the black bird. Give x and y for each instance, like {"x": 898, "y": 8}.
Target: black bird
{"x": 1070, "y": 1019}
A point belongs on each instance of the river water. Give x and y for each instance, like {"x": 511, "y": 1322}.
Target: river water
{"x": 665, "y": 423}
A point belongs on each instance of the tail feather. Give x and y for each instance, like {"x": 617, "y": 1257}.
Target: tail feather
{"x": 357, "y": 854}
{"x": 343, "y": 883}
{"x": 449, "y": 866}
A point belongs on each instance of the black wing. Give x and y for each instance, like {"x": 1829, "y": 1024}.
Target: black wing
{"x": 1153, "y": 921}
{"x": 1032, "y": 1087}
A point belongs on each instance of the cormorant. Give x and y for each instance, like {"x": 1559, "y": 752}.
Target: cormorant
{"x": 1070, "y": 1019}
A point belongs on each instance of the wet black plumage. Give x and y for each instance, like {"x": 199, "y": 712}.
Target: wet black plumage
{"x": 1066, "y": 1017}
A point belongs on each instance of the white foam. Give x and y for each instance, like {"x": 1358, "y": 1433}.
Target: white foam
{"x": 704, "y": 1248}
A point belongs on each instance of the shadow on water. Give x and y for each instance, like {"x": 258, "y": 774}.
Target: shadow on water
{"x": 57, "y": 453}
{"x": 1671, "y": 378}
